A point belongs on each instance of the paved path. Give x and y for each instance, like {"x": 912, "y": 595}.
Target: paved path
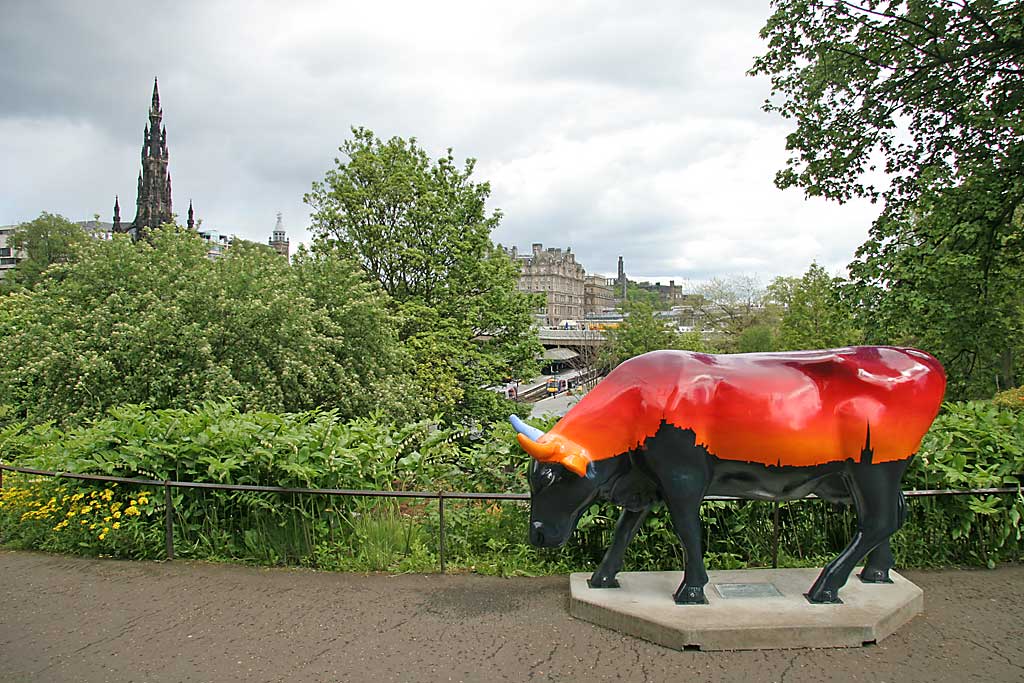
{"x": 84, "y": 620}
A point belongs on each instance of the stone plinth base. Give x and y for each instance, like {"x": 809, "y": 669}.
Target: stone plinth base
{"x": 749, "y": 609}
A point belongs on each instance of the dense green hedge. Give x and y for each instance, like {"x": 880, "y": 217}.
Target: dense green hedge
{"x": 971, "y": 445}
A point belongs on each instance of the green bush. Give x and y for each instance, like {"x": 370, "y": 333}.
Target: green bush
{"x": 157, "y": 322}
{"x": 1011, "y": 398}
{"x": 971, "y": 445}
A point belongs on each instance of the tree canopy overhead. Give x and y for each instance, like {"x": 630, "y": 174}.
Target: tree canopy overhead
{"x": 934, "y": 87}
{"x": 932, "y": 91}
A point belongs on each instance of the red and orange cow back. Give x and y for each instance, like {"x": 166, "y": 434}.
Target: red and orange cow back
{"x": 796, "y": 409}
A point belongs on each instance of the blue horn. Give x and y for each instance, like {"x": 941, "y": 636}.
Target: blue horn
{"x": 531, "y": 432}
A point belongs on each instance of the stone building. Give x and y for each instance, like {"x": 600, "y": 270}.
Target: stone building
{"x": 670, "y": 294}
{"x": 278, "y": 240}
{"x": 598, "y": 294}
{"x": 555, "y": 274}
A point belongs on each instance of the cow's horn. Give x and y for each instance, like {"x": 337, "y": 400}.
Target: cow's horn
{"x": 532, "y": 432}
{"x": 545, "y": 452}
{"x": 557, "y": 449}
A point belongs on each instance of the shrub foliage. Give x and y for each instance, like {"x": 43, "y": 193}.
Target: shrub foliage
{"x": 976, "y": 444}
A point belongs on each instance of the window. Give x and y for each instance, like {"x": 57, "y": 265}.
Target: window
{"x": 5, "y": 251}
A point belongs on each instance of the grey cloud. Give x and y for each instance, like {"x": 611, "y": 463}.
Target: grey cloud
{"x": 587, "y": 118}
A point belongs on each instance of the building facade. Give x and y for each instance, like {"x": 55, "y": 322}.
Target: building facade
{"x": 598, "y": 294}
{"x": 670, "y": 294}
{"x": 555, "y": 274}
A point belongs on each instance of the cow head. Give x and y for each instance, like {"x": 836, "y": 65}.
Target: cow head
{"x": 562, "y": 484}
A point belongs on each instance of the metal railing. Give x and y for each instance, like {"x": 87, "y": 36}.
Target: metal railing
{"x": 439, "y": 496}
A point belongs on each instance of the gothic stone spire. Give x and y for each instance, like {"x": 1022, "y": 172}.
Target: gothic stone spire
{"x": 153, "y": 203}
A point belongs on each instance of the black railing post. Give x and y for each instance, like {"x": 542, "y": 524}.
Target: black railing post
{"x": 168, "y": 521}
{"x": 775, "y": 535}
{"x": 440, "y": 521}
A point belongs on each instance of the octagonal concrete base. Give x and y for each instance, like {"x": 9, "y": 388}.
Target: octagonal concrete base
{"x": 749, "y": 609}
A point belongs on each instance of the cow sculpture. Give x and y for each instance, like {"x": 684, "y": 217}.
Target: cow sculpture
{"x": 676, "y": 426}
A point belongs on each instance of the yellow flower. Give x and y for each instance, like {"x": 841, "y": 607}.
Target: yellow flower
{"x": 86, "y": 509}
{"x": 143, "y": 500}
{"x": 92, "y": 495}
{"x": 131, "y": 511}
{"x": 117, "y": 525}
{"x": 84, "y": 522}
{"x": 117, "y": 515}
{"x": 102, "y": 536}
{"x": 107, "y": 519}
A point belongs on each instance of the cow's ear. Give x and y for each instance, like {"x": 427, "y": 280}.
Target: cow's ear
{"x": 576, "y": 463}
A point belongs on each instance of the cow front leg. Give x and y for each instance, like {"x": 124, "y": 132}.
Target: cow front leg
{"x": 683, "y": 472}
{"x": 629, "y": 522}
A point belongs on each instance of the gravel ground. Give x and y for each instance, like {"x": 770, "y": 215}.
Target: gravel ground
{"x": 83, "y": 620}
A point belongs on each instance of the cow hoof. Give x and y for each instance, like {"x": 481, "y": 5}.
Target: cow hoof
{"x": 823, "y": 597}
{"x": 602, "y": 582}
{"x": 690, "y": 595}
{"x": 874, "y": 576}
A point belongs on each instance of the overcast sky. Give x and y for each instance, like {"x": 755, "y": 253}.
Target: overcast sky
{"x": 613, "y": 128}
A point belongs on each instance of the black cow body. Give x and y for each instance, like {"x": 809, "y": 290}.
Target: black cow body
{"x": 669, "y": 467}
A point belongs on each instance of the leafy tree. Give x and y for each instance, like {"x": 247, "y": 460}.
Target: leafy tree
{"x": 757, "y": 338}
{"x": 931, "y": 91}
{"x": 728, "y": 307}
{"x": 49, "y": 239}
{"x": 642, "y": 331}
{"x": 635, "y": 293}
{"x": 159, "y": 323}
{"x": 420, "y": 229}
{"x": 814, "y": 315}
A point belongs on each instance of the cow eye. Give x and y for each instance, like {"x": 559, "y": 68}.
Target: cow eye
{"x": 547, "y": 477}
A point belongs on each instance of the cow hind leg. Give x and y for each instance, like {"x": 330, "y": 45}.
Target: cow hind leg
{"x": 625, "y": 529}
{"x": 880, "y": 560}
{"x": 880, "y": 510}
{"x": 877, "y": 566}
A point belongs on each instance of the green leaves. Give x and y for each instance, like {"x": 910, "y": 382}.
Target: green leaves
{"x": 918, "y": 105}
{"x": 159, "y": 323}
{"x": 642, "y": 331}
{"x": 419, "y": 228}
{"x": 47, "y": 240}
{"x": 815, "y": 315}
